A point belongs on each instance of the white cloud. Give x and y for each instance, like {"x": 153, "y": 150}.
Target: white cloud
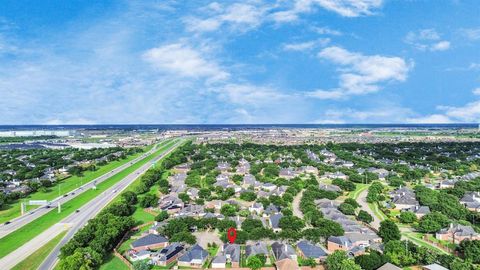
{"x": 476, "y": 91}
{"x": 384, "y": 113}
{"x": 430, "y": 119}
{"x": 467, "y": 113}
{"x": 238, "y": 15}
{"x": 427, "y": 39}
{"x": 440, "y": 46}
{"x": 472, "y": 34}
{"x": 245, "y": 94}
{"x": 304, "y": 46}
{"x": 361, "y": 74}
{"x": 327, "y": 31}
{"x": 182, "y": 60}
{"x": 323, "y": 94}
{"x": 350, "y": 8}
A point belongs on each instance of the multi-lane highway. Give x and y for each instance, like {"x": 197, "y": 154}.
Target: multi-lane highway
{"x": 75, "y": 221}
{"x": 40, "y": 211}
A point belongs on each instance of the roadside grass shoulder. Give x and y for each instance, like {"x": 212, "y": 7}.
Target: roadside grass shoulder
{"x": 24, "y": 234}
{"x": 33, "y": 261}
{"x": 65, "y": 186}
{"x": 359, "y": 188}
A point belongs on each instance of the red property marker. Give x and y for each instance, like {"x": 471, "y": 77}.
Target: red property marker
{"x": 231, "y": 235}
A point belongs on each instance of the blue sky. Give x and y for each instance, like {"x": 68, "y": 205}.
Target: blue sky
{"x": 250, "y": 61}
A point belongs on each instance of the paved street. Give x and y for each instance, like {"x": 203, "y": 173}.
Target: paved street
{"x": 75, "y": 220}
{"x": 362, "y": 200}
{"x": 36, "y": 213}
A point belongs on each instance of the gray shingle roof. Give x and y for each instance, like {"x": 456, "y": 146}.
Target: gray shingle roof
{"x": 195, "y": 252}
{"x": 310, "y": 250}
{"x": 149, "y": 239}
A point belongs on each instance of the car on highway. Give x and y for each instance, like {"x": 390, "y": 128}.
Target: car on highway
{"x": 8, "y": 222}
{"x": 76, "y": 211}
{"x": 65, "y": 195}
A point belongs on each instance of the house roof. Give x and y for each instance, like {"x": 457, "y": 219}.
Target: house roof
{"x": 282, "y": 251}
{"x": 389, "y": 266}
{"x": 286, "y": 264}
{"x": 170, "y": 251}
{"x": 149, "y": 239}
{"x": 257, "y": 248}
{"x": 196, "y": 252}
{"x": 310, "y": 250}
{"x": 434, "y": 267}
{"x": 340, "y": 240}
{"x": 233, "y": 250}
{"x": 275, "y": 220}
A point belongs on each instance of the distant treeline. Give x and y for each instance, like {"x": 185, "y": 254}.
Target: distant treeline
{"x": 27, "y": 138}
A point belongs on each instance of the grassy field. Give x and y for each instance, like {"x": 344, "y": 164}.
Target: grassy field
{"x": 114, "y": 263}
{"x": 19, "y": 237}
{"x": 33, "y": 261}
{"x": 64, "y": 186}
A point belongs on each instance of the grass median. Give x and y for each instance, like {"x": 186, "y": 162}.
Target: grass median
{"x": 66, "y": 185}
{"x": 24, "y": 234}
{"x": 33, "y": 261}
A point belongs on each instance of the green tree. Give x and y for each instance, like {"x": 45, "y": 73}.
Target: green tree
{"x": 371, "y": 261}
{"x": 228, "y": 210}
{"x": 347, "y": 209}
{"x": 389, "y": 231}
{"x": 142, "y": 265}
{"x": 148, "y": 200}
{"x": 364, "y": 216}
{"x": 163, "y": 215}
{"x": 349, "y": 265}
{"x": 407, "y": 217}
{"x": 256, "y": 262}
{"x": 335, "y": 260}
{"x": 129, "y": 197}
{"x": 471, "y": 250}
{"x": 291, "y": 223}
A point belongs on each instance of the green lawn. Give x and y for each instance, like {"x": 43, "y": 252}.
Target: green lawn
{"x": 416, "y": 238}
{"x": 33, "y": 261}
{"x": 19, "y": 237}
{"x": 114, "y": 263}
{"x": 377, "y": 211}
{"x": 360, "y": 187}
{"x": 67, "y": 185}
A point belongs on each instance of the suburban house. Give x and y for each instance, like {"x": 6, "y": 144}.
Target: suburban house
{"x": 139, "y": 255}
{"x": 167, "y": 255}
{"x": 332, "y": 188}
{"x": 419, "y": 211}
{"x": 149, "y": 241}
{"x": 195, "y": 257}
{"x": 257, "y": 248}
{"x": 256, "y": 208}
{"x": 230, "y": 254}
{"x": 274, "y": 222}
{"x": 458, "y": 233}
{"x": 287, "y": 173}
{"x": 308, "y": 250}
{"x": 283, "y": 251}
{"x": 434, "y": 267}
{"x": 404, "y": 198}
{"x": 471, "y": 200}
{"x": 338, "y": 243}
{"x": 389, "y": 266}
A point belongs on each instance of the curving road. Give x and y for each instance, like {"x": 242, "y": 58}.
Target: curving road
{"x": 362, "y": 200}
{"x": 75, "y": 221}
{"x": 21, "y": 221}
